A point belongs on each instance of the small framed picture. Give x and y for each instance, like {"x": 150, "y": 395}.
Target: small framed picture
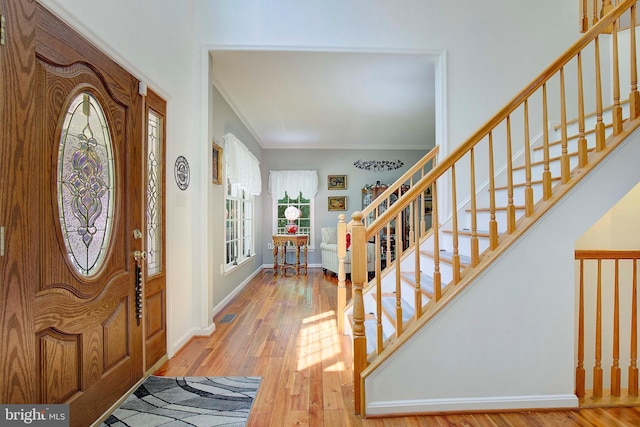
{"x": 216, "y": 163}
{"x": 337, "y": 203}
{"x": 337, "y": 182}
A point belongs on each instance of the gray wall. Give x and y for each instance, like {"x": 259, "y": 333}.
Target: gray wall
{"x": 225, "y": 120}
{"x": 328, "y": 162}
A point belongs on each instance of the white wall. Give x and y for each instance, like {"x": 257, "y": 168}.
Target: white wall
{"x": 508, "y": 340}
{"x": 222, "y": 285}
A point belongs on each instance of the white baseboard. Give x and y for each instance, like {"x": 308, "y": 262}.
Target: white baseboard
{"x": 203, "y": 332}
{"x": 472, "y": 404}
{"x": 218, "y": 308}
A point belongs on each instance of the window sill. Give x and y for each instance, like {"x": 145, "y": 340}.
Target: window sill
{"x": 230, "y": 268}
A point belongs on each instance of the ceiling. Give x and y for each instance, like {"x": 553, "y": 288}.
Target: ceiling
{"x": 310, "y": 99}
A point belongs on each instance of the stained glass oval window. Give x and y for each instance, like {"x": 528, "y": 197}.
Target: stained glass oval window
{"x": 85, "y": 183}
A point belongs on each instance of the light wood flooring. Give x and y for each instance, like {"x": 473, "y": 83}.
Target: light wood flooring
{"x": 285, "y": 332}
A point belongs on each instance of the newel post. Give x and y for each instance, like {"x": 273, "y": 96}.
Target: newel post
{"x": 358, "y": 278}
{"x": 342, "y": 288}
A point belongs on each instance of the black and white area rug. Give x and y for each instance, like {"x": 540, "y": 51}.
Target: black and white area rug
{"x": 187, "y": 401}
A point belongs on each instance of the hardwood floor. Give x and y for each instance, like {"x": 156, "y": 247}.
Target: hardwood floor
{"x": 285, "y": 332}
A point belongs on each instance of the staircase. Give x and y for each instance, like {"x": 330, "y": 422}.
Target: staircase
{"x": 474, "y": 313}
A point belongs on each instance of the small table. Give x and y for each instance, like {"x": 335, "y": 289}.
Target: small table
{"x": 280, "y": 242}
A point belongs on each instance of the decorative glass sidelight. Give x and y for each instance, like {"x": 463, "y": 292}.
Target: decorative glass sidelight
{"x": 86, "y": 183}
{"x": 154, "y": 190}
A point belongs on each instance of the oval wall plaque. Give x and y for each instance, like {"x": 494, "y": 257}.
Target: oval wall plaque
{"x": 181, "y": 172}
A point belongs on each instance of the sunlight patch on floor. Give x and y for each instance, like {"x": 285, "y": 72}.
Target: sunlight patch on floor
{"x": 318, "y": 343}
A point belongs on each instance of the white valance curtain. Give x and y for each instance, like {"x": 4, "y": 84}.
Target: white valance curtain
{"x": 293, "y": 183}
{"x": 242, "y": 167}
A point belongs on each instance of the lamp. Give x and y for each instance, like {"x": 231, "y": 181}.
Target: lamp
{"x": 292, "y": 214}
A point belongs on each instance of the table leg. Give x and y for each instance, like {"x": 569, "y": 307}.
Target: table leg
{"x": 305, "y": 260}
{"x": 275, "y": 259}
{"x": 297, "y": 260}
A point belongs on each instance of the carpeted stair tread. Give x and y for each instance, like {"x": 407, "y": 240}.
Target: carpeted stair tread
{"x": 426, "y": 282}
{"x": 389, "y": 306}
{"x": 467, "y": 232}
{"x": 447, "y": 256}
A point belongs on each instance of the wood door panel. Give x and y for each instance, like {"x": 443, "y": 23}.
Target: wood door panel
{"x": 59, "y": 359}
{"x": 72, "y": 317}
{"x": 116, "y": 335}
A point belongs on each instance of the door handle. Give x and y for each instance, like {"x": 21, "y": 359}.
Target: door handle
{"x": 139, "y": 255}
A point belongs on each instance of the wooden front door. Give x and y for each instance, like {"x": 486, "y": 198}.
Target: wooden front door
{"x": 89, "y": 190}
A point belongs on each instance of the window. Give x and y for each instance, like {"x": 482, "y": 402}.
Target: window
{"x": 294, "y": 188}
{"x": 239, "y": 225}
{"x": 242, "y": 180}
{"x": 304, "y": 205}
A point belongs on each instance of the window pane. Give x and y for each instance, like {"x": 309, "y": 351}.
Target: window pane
{"x": 86, "y": 190}
{"x": 154, "y": 194}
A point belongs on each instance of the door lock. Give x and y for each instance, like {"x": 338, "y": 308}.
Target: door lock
{"x": 139, "y": 255}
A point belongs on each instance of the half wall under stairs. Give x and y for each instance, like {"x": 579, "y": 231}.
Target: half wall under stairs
{"x": 507, "y": 341}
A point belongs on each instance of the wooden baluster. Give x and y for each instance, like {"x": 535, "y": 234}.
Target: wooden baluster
{"x": 416, "y": 252}
{"x": 597, "y": 369}
{"x": 435, "y": 224}
{"x": 583, "y": 152}
{"x": 455, "y": 257}
{"x": 475, "y": 246}
{"x": 342, "y": 287}
{"x": 616, "y": 112}
{"x": 379, "y": 332}
{"x": 423, "y": 223}
{"x": 399, "y": 243}
{"x": 615, "y": 367}
{"x": 388, "y": 245}
{"x": 606, "y": 7}
{"x": 493, "y": 224}
{"x": 546, "y": 175}
{"x": 584, "y": 24}
{"x": 358, "y": 278}
{"x": 633, "y": 363}
{"x": 595, "y": 18}
{"x": 528, "y": 189}
{"x": 564, "y": 159}
{"x": 634, "y": 96}
{"x": 511, "y": 209}
{"x": 580, "y": 373}
{"x": 600, "y": 139}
